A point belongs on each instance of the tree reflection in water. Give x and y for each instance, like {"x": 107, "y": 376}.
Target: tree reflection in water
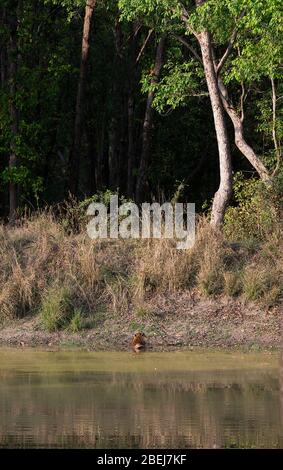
{"x": 163, "y": 409}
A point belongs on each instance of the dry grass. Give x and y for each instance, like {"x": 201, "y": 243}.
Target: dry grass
{"x": 65, "y": 277}
{"x": 263, "y": 275}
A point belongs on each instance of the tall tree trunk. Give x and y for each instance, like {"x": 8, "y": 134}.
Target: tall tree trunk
{"x": 148, "y": 122}
{"x": 114, "y": 132}
{"x": 14, "y": 119}
{"x": 101, "y": 164}
{"x": 92, "y": 155}
{"x": 240, "y": 140}
{"x": 3, "y": 52}
{"x": 131, "y": 109}
{"x": 131, "y": 144}
{"x": 123, "y": 145}
{"x": 74, "y": 163}
{"x": 113, "y": 156}
{"x": 223, "y": 194}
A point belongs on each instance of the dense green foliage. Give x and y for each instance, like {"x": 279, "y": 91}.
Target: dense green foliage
{"x": 40, "y": 69}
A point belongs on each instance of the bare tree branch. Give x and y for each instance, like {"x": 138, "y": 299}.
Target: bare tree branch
{"x": 229, "y": 47}
{"x": 185, "y": 18}
{"x": 227, "y": 52}
{"x": 242, "y": 100}
{"x": 144, "y": 45}
{"x": 240, "y": 140}
{"x": 188, "y": 46}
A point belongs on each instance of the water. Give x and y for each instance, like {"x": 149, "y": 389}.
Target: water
{"x": 125, "y": 400}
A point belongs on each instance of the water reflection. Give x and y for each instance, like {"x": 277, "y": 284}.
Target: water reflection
{"x": 65, "y": 406}
{"x": 281, "y": 375}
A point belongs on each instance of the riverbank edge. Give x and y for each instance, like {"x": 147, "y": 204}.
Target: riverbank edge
{"x": 177, "y": 322}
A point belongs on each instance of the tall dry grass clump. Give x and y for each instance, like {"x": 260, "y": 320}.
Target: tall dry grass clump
{"x": 61, "y": 275}
{"x": 210, "y": 251}
{"x": 263, "y": 273}
{"x": 36, "y": 256}
{"x": 160, "y": 268}
{"x": 53, "y": 271}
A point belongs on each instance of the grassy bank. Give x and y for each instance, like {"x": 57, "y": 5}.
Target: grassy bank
{"x": 226, "y": 289}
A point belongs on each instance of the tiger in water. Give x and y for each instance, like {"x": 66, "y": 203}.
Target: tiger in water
{"x": 138, "y": 342}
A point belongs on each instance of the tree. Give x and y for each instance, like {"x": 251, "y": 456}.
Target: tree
{"x": 252, "y": 52}
{"x": 119, "y": 120}
{"x": 228, "y": 35}
{"x": 76, "y": 147}
{"x": 223, "y": 194}
{"x": 148, "y": 120}
{"x": 12, "y": 54}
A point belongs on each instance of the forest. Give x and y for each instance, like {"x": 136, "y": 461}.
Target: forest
{"x": 131, "y": 96}
{"x": 153, "y": 100}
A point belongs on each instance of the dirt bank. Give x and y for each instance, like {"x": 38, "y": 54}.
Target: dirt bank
{"x": 169, "y": 323}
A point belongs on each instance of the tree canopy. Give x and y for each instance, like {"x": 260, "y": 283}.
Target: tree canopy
{"x": 124, "y": 94}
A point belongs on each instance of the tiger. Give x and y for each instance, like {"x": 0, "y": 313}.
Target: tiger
{"x": 138, "y": 342}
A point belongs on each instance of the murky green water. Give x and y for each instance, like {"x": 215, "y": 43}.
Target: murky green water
{"x": 120, "y": 400}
